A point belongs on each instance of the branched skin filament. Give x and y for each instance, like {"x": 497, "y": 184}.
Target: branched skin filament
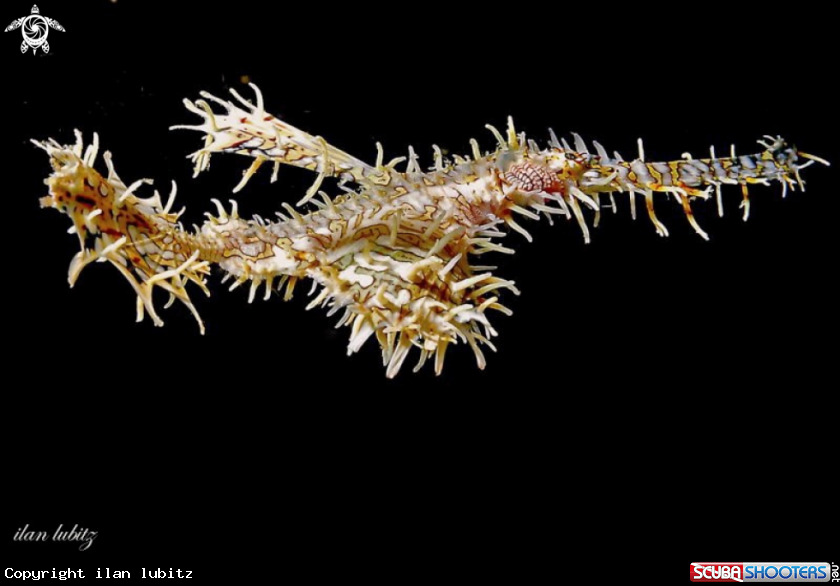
{"x": 396, "y": 255}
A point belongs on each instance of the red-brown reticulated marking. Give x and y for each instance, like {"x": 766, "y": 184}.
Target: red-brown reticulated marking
{"x": 529, "y": 177}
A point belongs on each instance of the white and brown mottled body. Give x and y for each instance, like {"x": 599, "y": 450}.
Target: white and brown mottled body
{"x": 394, "y": 255}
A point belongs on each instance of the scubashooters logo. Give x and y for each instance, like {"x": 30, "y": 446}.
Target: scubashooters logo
{"x": 788, "y": 572}
{"x": 35, "y": 29}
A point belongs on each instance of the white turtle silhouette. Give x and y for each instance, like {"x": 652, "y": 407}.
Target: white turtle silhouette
{"x": 35, "y": 30}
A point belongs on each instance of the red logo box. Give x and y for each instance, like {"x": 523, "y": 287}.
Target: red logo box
{"x": 717, "y": 572}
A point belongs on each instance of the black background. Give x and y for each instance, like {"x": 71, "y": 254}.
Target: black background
{"x": 628, "y": 365}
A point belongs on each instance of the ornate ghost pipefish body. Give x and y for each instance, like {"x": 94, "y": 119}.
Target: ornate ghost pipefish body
{"x": 395, "y": 254}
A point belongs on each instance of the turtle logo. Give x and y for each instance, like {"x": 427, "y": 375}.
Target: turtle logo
{"x": 35, "y": 29}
